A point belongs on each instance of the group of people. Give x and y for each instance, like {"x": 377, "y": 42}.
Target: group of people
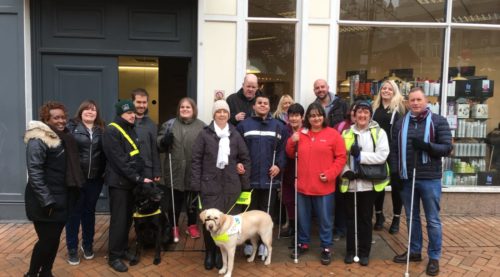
{"x": 318, "y": 151}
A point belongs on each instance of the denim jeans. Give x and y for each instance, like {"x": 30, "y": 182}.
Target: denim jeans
{"x": 429, "y": 191}
{"x": 323, "y": 208}
{"x": 84, "y": 213}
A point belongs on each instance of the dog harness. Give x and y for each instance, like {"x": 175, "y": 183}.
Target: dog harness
{"x": 127, "y": 137}
{"x": 139, "y": 215}
{"x": 235, "y": 228}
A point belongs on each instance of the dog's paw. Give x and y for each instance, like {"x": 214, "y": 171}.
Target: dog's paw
{"x": 133, "y": 262}
{"x": 228, "y": 274}
{"x": 250, "y": 259}
{"x": 157, "y": 261}
{"x": 267, "y": 262}
{"x": 222, "y": 270}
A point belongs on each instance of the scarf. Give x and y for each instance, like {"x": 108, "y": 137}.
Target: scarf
{"x": 403, "y": 138}
{"x": 224, "y": 150}
{"x": 74, "y": 174}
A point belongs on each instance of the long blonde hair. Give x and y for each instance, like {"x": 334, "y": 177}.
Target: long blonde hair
{"x": 279, "y": 109}
{"x": 396, "y": 101}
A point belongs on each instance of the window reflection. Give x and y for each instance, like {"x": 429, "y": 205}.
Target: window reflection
{"x": 393, "y": 10}
{"x": 476, "y": 11}
{"x": 271, "y": 56}
{"x": 274, "y": 8}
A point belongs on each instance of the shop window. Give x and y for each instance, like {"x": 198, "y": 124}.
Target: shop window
{"x": 472, "y": 108}
{"x": 407, "y": 55}
{"x": 275, "y": 8}
{"x": 474, "y": 11}
{"x": 394, "y": 10}
{"x": 271, "y": 56}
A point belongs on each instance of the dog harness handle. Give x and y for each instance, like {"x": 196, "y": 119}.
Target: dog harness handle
{"x": 129, "y": 139}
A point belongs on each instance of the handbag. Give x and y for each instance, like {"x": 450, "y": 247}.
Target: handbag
{"x": 372, "y": 172}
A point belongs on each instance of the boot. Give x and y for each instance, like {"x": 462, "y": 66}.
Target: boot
{"x": 394, "y": 229}
{"x": 209, "y": 250}
{"x": 379, "y": 223}
{"x": 290, "y": 231}
{"x": 218, "y": 258}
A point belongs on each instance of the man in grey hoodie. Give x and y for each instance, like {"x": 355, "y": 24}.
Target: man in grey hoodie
{"x": 146, "y": 131}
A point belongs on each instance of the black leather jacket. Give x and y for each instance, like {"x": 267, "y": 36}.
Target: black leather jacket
{"x": 92, "y": 158}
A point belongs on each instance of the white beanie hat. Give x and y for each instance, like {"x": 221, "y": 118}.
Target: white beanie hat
{"x": 220, "y": 105}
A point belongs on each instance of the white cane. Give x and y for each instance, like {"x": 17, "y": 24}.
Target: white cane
{"x": 281, "y": 204}
{"x": 356, "y": 258}
{"x": 175, "y": 229}
{"x": 407, "y": 273}
{"x": 296, "y": 257}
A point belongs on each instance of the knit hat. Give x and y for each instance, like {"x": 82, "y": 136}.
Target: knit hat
{"x": 220, "y": 105}
{"x": 363, "y": 105}
{"x": 124, "y": 106}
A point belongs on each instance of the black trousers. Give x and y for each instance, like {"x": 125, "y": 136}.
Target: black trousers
{"x": 121, "y": 204}
{"x": 45, "y": 249}
{"x": 397, "y": 203}
{"x": 365, "y": 202}
{"x": 260, "y": 197}
{"x": 181, "y": 199}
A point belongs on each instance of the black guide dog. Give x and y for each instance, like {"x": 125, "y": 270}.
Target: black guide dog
{"x": 151, "y": 222}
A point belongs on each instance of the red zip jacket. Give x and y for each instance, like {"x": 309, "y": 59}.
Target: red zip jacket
{"x": 318, "y": 152}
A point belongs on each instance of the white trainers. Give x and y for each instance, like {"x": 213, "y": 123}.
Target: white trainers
{"x": 248, "y": 249}
{"x": 262, "y": 250}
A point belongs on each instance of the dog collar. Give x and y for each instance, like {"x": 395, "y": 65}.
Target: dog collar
{"x": 234, "y": 229}
{"x": 138, "y": 215}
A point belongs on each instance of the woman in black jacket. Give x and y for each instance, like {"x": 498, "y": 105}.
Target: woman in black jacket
{"x": 220, "y": 170}
{"x": 52, "y": 163}
{"x": 86, "y": 128}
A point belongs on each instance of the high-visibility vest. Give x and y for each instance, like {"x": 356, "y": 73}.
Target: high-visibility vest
{"x": 349, "y": 139}
{"x": 129, "y": 139}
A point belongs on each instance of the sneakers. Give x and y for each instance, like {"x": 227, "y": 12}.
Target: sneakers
{"x": 401, "y": 259}
{"x": 248, "y": 250}
{"x": 73, "y": 258}
{"x": 262, "y": 250}
{"x": 88, "y": 253}
{"x": 301, "y": 249}
{"x": 118, "y": 265}
{"x": 349, "y": 259}
{"x": 326, "y": 256}
{"x": 193, "y": 231}
{"x": 432, "y": 267}
{"x": 364, "y": 261}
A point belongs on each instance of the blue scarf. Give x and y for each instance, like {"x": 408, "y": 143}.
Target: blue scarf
{"x": 403, "y": 138}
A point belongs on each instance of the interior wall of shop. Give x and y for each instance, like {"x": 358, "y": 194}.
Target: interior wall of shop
{"x": 12, "y": 110}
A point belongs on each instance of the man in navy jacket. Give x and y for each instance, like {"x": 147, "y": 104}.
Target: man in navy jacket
{"x": 426, "y": 135}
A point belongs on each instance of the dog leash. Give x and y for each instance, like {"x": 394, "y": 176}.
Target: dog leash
{"x": 245, "y": 198}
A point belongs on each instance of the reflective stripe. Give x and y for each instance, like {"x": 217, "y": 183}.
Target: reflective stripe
{"x": 262, "y": 134}
{"x": 139, "y": 215}
{"x": 136, "y": 150}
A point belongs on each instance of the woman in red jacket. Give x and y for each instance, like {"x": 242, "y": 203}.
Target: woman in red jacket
{"x": 321, "y": 157}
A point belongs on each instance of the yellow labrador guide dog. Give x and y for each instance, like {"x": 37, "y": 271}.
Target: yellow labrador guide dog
{"x": 229, "y": 231}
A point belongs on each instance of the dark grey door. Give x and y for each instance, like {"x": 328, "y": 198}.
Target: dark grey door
{"x": 72, "y": 79}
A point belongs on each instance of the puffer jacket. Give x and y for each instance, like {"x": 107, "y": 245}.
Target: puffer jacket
{"x": 441, "y": 146}
{"x": 122, "y": 170}
{"x": 219, "y": 188}
{"x": 147, "y": 131}
{"x": 92, "y": 158}
{"x": 46, "y": 164}
{"x": 263, "y": 137}
{"x": 318, "y": 152}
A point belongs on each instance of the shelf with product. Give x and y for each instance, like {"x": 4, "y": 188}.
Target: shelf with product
{"x": 467, "y": 114}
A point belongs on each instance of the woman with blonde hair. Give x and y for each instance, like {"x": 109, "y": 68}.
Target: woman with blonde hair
{"x": 388, "y": 107}
{"x": 283, "y": 105}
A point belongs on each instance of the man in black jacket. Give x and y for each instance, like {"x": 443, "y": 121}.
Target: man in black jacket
{"x": 421, "y": 138}
{"x": 146, "y": 131}
{"x": 241, "y": 103}
{"x": 335, "y": 107}
{"x": 124, "y": 169}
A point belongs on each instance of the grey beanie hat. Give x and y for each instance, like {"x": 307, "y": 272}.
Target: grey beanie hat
{"x": 220, "y": 105}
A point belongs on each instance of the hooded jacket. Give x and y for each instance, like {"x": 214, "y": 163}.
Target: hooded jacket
{"x": 263, "y": 137}
{"x": 239, "y": 103}
{"x": 318, "y": 152}
{"x": 46, "y": 164}
{"x": 336, "y": 110}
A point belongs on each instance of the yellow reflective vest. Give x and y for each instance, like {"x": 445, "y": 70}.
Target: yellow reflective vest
{"x": 349, "y": 138}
